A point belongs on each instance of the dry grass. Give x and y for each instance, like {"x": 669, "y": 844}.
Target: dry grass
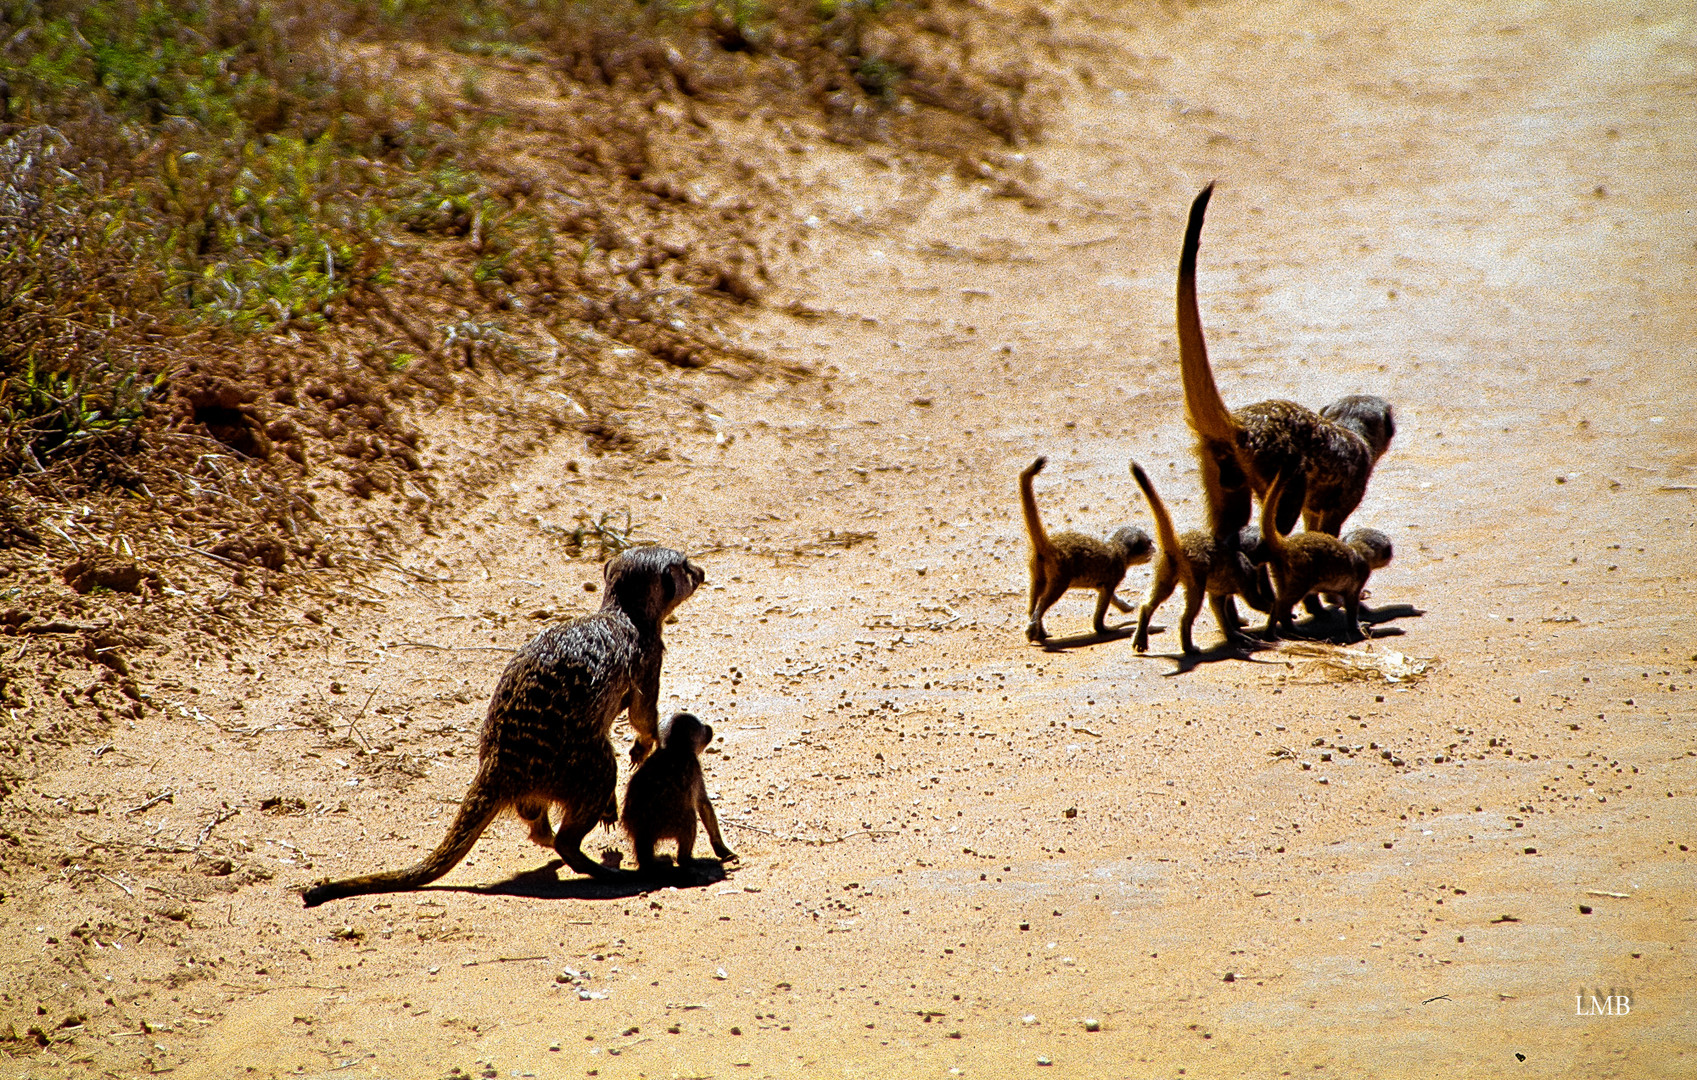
{"x": 1332, "y": 663}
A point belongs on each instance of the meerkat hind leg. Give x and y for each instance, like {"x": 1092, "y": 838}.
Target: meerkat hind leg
{"x": 1160, "y": 587}
{"x": 686, "y": 849}
{"x": 568, "y": 842}
{"x": 1352, "y": 618}
{"x": 647, "y": 862}
{"x": 1193, "y": 594}
{"x": 536, "y": 814}
{"x": 1052, "y": 591}
{"x": 1225, "y": 613}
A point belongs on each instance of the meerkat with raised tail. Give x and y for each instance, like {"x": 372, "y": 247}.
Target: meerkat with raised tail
{"x": 547, "y": 737}
{"x": 1326, "y": 458}
{"x": 1205, "y": 568}
{"x": 668, "y": 792}
{"x": 1070, "y": 560}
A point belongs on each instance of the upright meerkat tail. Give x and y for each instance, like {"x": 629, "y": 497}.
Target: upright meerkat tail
{"x": 476, "y": 812}
{"x": 1272, "y": 540}
{"x": 1164, "y": 531}
{"x": 1028, "y": 503}
{"x": 1204, "y": 409}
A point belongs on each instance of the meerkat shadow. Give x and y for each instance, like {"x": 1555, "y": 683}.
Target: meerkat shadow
{"x": 1079, "y": 641}
{"x": 544, "y": 882}
{"x": 1330, "y": 626}
{"x": 1242, "y": 650}
{"x": 1388, "y": 613}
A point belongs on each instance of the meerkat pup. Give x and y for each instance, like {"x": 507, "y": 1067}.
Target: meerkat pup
{"x": 668, "y": 792}
{"x": 1070, "y": 560}
{"x": 1327, "y": 459}
{"x": 547, "y": 738}
{"x": 1205, "y": 568}
{"x": 1311, "y": 562}
{"x": 1373, "y": 546}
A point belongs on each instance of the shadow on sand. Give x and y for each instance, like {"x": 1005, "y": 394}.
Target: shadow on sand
{"x": 544, "y": 883}
{"x": 1327, "y": 627}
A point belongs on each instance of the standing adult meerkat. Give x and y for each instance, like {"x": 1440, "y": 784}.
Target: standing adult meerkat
{"x": 1204, "y": 566}
{"x": 668, "y": 792}
{"x": 547, "y": 738}
{"x": 1316, "y": 562}
{"x": 1326, "y": 461}
{"x": 1070, "y": 560}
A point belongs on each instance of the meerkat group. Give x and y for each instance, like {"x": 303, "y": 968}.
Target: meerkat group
{"x": 1301, "y": 464}
{"x": 546, "y": 741}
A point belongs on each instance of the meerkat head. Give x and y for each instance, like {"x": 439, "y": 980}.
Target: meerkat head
{"x": 1135, "y": 543}
{"x": 1374, "y": 546}
{"x": 1368, "y": 416}
{"x": 650, "y": 582}
{"x": 684, "y": 731}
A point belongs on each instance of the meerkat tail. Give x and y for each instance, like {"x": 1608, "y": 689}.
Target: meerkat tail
{"x": 1164, "y": 531}
{"x": 1028, "y": 503}
{"x": 1204, "y": 409}
{"x": 476, "y": 812}
{"x": 1273, "y": 540}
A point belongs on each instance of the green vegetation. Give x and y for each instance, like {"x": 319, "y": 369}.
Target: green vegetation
{"x": 176, "y": 166}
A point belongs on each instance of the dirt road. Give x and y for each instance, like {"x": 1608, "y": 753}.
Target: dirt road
{"x": 962, "y": 854}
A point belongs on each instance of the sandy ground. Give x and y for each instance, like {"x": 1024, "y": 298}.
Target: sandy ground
{"x": 962, "y": 854}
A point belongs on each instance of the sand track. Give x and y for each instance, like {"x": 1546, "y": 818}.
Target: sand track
{"x": 958, "y": 848}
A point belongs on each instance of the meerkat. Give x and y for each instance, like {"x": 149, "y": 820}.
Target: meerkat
{"x": 1205, "y": 567}
{"x": 1311, "y": 562}
{"x": 1069, "y": 560}
{"x": 668, "y": 792}
{"x": 1327, "y": 461}
{"x": 546, "y": 739}
{"x": 1373, "y": 546}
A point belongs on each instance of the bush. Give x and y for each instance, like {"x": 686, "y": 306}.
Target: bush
{"x": 70, "y": 370}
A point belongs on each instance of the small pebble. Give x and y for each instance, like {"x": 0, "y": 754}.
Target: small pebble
{"x": 1044, "y": 1061}
{"x": 719, "y": 973}
{"x": 1028, "y": 1019}
{"x": 1092, "y": 1024}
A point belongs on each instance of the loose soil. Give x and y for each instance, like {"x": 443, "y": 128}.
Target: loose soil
{"x": 962, "y": 854}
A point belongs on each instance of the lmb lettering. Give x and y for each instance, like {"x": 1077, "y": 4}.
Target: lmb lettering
{"x": 1616, "y": 1002}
